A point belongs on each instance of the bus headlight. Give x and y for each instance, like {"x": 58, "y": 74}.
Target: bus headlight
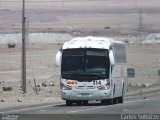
{"x": 104, "y": 87}
{"x": 65, "y": 87}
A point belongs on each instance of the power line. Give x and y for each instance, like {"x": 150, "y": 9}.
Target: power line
{"x": 34, "y": 1}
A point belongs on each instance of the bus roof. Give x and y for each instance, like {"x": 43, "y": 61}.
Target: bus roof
{"x": 88, "y": 42}
{"x": 120, "y": 42}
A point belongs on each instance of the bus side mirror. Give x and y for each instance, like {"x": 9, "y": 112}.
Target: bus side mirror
{"x": 58, "y": 58}
{"x": 130, "y": 72}
{"x": 111, "y": 57}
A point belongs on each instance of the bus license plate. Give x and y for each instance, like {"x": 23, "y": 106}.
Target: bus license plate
{"x": 85, "y": 93}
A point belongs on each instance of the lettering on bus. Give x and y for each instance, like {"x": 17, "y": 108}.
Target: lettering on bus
{"x": 97, "y": 82}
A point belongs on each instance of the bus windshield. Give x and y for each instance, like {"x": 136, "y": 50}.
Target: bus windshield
{"x": 85, "y": 64}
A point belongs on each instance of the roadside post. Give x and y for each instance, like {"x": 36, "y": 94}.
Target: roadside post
{"x": 159, "y": 75}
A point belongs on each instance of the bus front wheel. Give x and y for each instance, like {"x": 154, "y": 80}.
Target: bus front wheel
{"x": 79, "y": 102}
{"x": 120, "y": 99}
{"x": 85, "y": 102}
{"x": 107, "y": 101}
{"x": 68, "y": 102}
{"x": 111, "y": 101}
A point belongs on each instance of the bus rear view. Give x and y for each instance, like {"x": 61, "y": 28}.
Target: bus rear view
{"x": 86, "y": 70}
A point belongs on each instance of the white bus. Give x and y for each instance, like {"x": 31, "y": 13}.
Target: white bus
{"x": 92, "y": 68}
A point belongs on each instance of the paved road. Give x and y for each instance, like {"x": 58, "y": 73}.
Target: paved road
{"x": 140, "y": 104}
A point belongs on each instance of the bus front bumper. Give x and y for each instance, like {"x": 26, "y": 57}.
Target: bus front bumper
{"x": 85, "y": 94}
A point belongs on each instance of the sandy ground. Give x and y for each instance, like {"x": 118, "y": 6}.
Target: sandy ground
{"x": 78, "y": 18}
{"x": 40, "y": 66}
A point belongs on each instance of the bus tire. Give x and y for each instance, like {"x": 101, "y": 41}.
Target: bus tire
{"x": 111, "y": 101}
{"x": 68, "y": 103}
{"x": 107, "y": 102}
{"x": 104, "y": 102}
{"x": 120, "y": 99}
{"x": 79, "y": 102}
{"x": 85, "y": 102}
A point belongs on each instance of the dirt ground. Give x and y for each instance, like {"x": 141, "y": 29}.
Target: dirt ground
{"x": 78, "y": 18}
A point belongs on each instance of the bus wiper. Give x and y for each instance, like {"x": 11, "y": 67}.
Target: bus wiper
{"x": 81, "y": 75}
{"x": 73, "y": 74}
{"x": 86, "y": 75}
{"x": 77, "y": 74}
{"x": 95, "y": 75}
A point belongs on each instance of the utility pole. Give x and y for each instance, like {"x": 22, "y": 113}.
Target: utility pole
{"x": 140, "y": 26}
{"x": 23, "y": 69}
